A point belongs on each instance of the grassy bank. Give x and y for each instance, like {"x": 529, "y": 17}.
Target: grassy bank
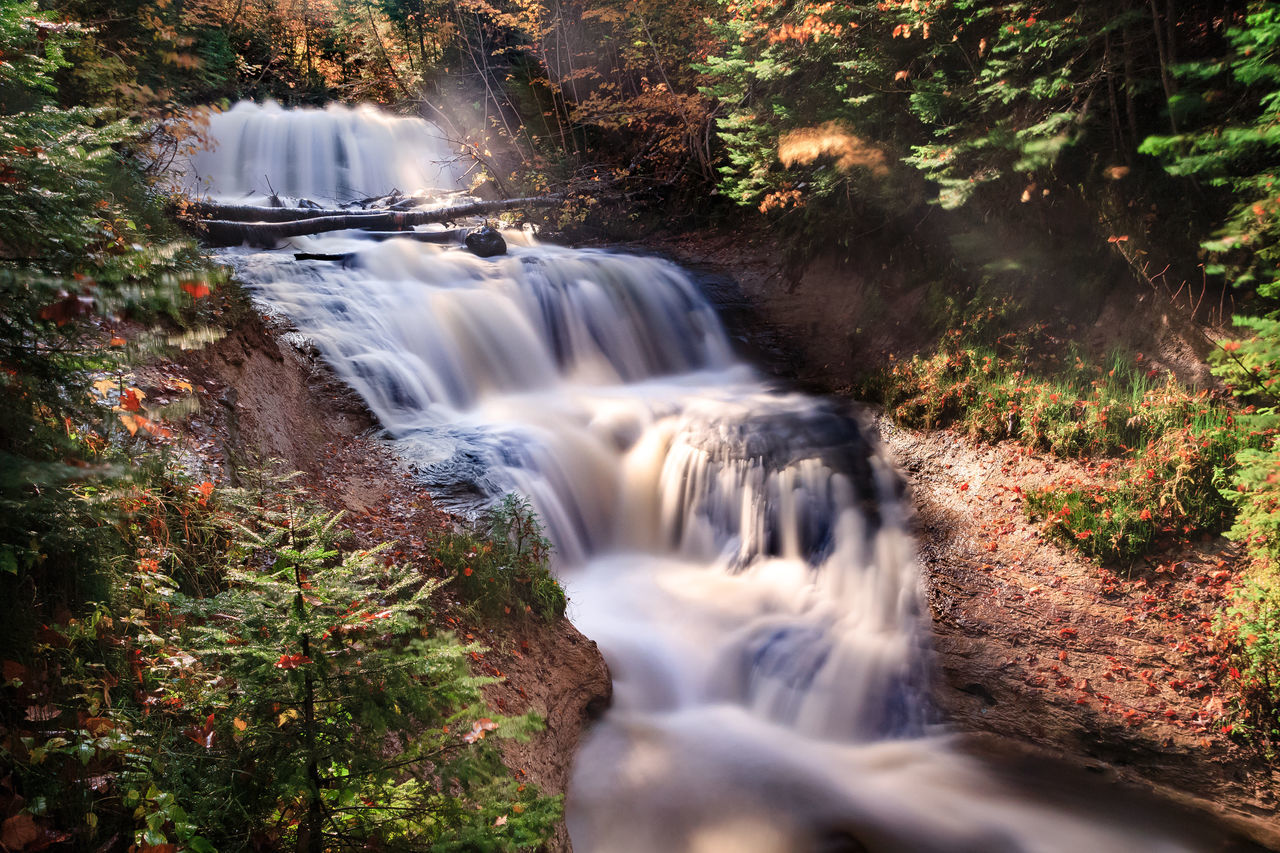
{"x": 1164, "y": 466}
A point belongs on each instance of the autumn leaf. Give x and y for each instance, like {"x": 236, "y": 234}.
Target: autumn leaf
{"x": 478, "y": 729}
{"x": 204, "y": 735}
{"x": 42, "y": 713}
{"x": 240, "y": 724}
{"x": 67, "y": 308}
{"x": 197, "y": 289}
{"x": 19, "y": 831}
{"x": 131, "y": 401}
{"x": 13, "y": 671}
{"x": 98, "y": 726}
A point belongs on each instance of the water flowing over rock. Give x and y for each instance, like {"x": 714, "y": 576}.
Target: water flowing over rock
{"x": 486, "y": 242}
{"x": 739, "y": 552}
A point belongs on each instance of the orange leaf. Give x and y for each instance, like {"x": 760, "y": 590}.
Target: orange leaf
{"x": 132, "y": 400}
{"x": 98, "y": 726}
{"x": 19, "y": 831}
{"x": 197, "y": 289}
{"x": 117, "y": 341}
{"x": 11, "y": 669}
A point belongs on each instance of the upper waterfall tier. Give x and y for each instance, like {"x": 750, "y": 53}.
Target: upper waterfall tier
{"x": 335, "y": 155}
{"x": 414, "y": 328}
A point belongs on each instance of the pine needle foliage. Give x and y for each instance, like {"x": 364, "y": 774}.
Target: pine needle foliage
{"x": 297, "y": 697}
{"x": 329, "y": 674}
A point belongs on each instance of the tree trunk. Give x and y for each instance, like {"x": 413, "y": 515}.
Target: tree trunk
{"x": 223, "y": 232}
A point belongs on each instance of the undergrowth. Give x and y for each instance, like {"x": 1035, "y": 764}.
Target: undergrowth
{"x": 1166, "y": 464}
{"x": 501, "y": 568}
{"x": 254, "y": 681}
{"x": 1164, "y": 450}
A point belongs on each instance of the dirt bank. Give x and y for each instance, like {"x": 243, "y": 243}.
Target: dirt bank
{"x": 265, "y": 394}
{"x": 1039, "y": 652}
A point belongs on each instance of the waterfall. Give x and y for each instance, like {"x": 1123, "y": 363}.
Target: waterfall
{"x": 334, "y": 156}
{"x": 739, "y": 552}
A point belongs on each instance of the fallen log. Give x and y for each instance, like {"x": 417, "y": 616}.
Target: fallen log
{"x": 223, "y": 232}
{"x": 304, "y": 210}
{"x": 262, "y": 213}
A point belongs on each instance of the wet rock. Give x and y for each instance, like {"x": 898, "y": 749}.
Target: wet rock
{"x": 486, "y": 242}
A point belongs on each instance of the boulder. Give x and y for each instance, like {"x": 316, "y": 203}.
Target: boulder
{"x": 486, "y": 242}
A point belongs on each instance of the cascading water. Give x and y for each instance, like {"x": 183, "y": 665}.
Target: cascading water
{"x": 738, "y": 553}
{"x": 336, "y": 155}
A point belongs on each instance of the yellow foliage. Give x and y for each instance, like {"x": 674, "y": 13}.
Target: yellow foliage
{"x": 809, "y": 144}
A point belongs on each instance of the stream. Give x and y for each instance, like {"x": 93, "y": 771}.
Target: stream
{"x": 738, "y": 551}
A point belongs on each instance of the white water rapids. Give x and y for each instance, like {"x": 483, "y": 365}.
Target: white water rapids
{"x": 738, "y": 552}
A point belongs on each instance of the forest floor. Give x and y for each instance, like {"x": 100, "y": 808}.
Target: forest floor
{"x": 266, "y": 397}
{"x": 1039, "y": 651}
{"x": 1045, "y": 647}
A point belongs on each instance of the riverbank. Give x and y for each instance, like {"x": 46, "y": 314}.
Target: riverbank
{"x": 265, "y": 394}
{"x": 1039, "y": 651}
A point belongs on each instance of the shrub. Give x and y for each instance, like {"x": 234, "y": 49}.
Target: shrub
{"x": 1252, "y": 625}
{"x": 502, "y": 567}
{"x": 1168, "y": 450}
{"x": 308, "y": 703}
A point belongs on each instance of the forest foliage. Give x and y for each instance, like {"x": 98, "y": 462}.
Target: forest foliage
{"x": 1141, "y": 133}
{"x": 188, "y": 665}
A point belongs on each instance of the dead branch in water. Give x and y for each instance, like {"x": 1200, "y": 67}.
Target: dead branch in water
{"x": 227, "y": 232}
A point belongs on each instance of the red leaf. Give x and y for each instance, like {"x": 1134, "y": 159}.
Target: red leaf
{"x": 11, "y": 669}
{"x": 131, "y": 401}
{"x": 19, "y": 831}
{"x": 67, "y": 308}
{"x": 197, "y": 289}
